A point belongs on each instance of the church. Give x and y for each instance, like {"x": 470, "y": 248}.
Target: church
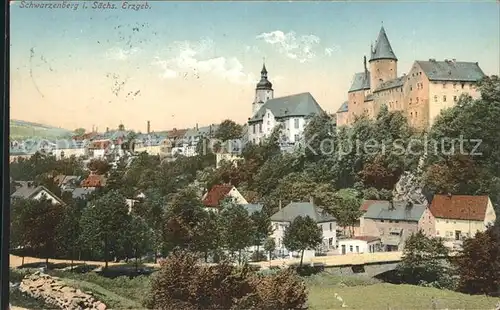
{"x": 292, "y": 112}
{"x": 429, "y": 86}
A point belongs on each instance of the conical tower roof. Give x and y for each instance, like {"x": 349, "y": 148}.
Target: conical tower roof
{"x": 264, "y": 83}
{"x": 383, "y": 49}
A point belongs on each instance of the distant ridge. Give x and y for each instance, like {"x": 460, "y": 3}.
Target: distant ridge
{"x": 22, "y": 129}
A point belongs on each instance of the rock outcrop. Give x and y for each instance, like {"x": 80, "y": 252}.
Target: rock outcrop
{"x": 409, "y": 188}
{"x": 55, "y": 292}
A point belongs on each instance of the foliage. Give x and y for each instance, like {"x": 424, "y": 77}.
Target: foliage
{"x": 103, "y": 223}
{"x": 228, "y": 130}
{"x": 261, "y": 227}
{"x": 99, "y": 166}
{"x": 346, "y": 208}
{"x": 479, "y": 263}
{"x": 270, "y": 247}
{"x": 422, "y": 260}
{"x": 302, "y": 234}
{"x": 183, "y": 284}
{"x": 237, "y": 229}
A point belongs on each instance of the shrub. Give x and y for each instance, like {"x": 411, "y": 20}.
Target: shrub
{"x": 258, "y": 256}
{"x": 181, "y": 283}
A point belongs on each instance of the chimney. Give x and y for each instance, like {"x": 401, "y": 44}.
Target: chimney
{"x": 364, "y": 63}
{"x": 279, "y": 205}
{"x": 148, "y": 127}
{"x": 196, "y": 126}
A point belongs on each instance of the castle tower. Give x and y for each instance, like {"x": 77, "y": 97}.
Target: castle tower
{"x": 263, "y": 91}
{"x": 383, "y": 61}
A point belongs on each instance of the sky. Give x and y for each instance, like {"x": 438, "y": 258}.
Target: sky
{"x": 178, "y": 64}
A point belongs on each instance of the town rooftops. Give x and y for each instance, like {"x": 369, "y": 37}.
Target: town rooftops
{"x": 383, "y": 49}
{"x": 94, "y": 180}
{"x": 302, "y": 104}
{"x": 451, "y": 70}
{"x": 399, "y": 211}
{"x": 397, "y": 82}
{"x": 344, "y": 107}
{"x": 361, "y": 81}
{"x": 366, "y": 204}
{"x": 460, "y": 207}
{"x": 253, "y": 208}
{"x": 296, "y": 209}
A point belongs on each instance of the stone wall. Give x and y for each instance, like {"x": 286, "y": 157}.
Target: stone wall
{"x": 54, "y": 292}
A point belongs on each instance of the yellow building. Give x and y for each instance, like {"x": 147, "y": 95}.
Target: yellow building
{"x": 459, "y": 216}
{"x": 428, "y": 88}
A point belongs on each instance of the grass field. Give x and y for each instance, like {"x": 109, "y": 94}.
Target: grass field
{"x": 357, "y": 292}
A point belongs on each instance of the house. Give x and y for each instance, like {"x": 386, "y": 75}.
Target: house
{"x": 29, "y": 190}
{"x": 359, "y": 244}
{"x": 394, "y": 222}
{"x": 357, "y": 228}
{"x": 100, "y": 148}
{"x": 285, "y": 216}
{"x": 214, "y": 197}
{"x": 459, "y": 216}
{"x": 67, "y": 148}
{"x": 93, "y": 181}
{"x": 80, "y": 192}
{"x": 67, "y": 181}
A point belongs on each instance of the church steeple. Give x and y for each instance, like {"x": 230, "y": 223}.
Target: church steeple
{"x": 264, "y": 83}
{"x": 263, "y": 91}
{"x": 383, "y": 49}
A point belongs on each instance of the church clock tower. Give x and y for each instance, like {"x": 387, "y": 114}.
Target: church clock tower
{"x": 263, "y": 91}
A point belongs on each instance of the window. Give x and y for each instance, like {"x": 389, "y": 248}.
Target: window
{"x": 331, "y": 226}
{"x": 411, "y": 100}
{"x": 350, "y": 248}
{"x": 454, "y": 85}
{"x": 437, "y": 232}
{"x": 296, "y": 138}
{"x": 254, "y": 128}
{"x": 296, "y": 123}
{"x": 260, "y": 127}
{"x": 435, "y": 98}
{"x": 417, "y": 99}
{"x": 382, "y": 221}
{"x": 411, "y": 114}
{"x": 416, "y": 114}
{"x": 444, "y": 98}
{"x": 411, "y": 88}
{"x": 396, "y": 222}
{"x": 444, "y": 85}
{"x": 463, "y": 85}
{"x": 357, "y": 249}
{"x": 455, "y": 98}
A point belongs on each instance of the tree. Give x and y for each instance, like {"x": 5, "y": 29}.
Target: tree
{"x": 422, "y": 260}
{"x": 302, "y": 234}
{"x": 237, "y": 229}
{"x": 139, "y": 237}
{"x": 228, "y": 130}
{"x": 270, "y": 247}
{"x": 478, "y": 264}
{"x": 99, "y": 166}
{"x": 69, "y": 232}
{"x": 184, "y": 213}
{"x": 79, "y": 131}
{"x": 103, "y": 223}
{"x": 261, "y": 227}
{"x": 208, "y": 234}
{"x": 346, "y": 208}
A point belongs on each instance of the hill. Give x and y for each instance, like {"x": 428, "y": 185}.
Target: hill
{"x": 22, "y": 129}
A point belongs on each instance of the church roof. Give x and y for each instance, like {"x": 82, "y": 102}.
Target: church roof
{"x": 361, "y": 81}
{"x": 302, "y": 104}
{"x": 264, "y": 83}
{"x": 344, "y": 107}
{"x": 383, "y": 49}
{"x": 397, "y": 82}
{"x": 450, "y": 70}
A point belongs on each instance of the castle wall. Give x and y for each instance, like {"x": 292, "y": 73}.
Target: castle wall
{"x": 382, "y": 70}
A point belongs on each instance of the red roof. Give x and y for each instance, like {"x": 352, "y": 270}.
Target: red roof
{"x": 459, "y": 207}
{"x": 216, "y": 194}
{"x": 93, "y": 180}
{"x": 366, "y": 204}
{"x": 367, "y": 238}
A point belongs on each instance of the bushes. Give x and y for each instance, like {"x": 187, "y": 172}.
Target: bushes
{"x": 183, "y": 284}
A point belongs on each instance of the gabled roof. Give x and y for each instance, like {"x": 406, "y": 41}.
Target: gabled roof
{"x": 27, "y": 191}
{"x": 344, "y": 107}
{"x": 451, "y": 70}
{"x": 216, "y": 194}
{"x": 366, "y": 204}
{"x": 383, "y": 49}
{"x": 252, "y": 208}
{"x": 361, "y": 81}
{"x": 397, "y": 82}
{"x": 94, "y": 180}
{"x": 302, "y": 104}
{"x": 381, "y": 210}
{"x": 295, "y": 209}
{"x": 459, "y": 207}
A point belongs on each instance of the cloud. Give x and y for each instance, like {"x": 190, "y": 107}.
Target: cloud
{"x": 299, "y": 47}
{"x": 117, "y": 53}
{"x": 197, "y": 58}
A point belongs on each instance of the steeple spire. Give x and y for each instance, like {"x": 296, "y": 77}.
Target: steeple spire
{"x": 364, "y": 64}
{"x": 264, "y": 82}
{"x": 383, "y": 49}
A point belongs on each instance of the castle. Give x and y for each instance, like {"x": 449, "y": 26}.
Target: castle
{"x": 429, "y": 87}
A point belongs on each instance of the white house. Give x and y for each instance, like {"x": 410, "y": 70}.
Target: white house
{"x": 359, "y": 244}
{"x": 28, "y": 190}
{"x": 285, "y": 216}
